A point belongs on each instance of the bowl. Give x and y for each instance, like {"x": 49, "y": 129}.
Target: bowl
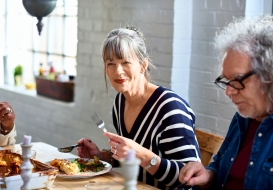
{"x": 30, "y": 86}
{"x": 42, "y": 175}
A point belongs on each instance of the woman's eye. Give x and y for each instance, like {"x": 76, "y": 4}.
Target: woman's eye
{"x": 109, "y": 64}
{"x": 126, "y": 62}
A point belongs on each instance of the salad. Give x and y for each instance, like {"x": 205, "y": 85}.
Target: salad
{"x": 94, "y": 165}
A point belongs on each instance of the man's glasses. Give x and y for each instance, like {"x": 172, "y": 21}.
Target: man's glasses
{"x": 235, "y": 83}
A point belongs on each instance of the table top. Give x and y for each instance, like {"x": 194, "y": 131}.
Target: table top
{"x": 46, "y": 152}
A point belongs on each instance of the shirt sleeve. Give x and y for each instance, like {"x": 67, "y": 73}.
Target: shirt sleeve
{"x": 178, "y": 145}
{"x": 8, "y": 139}
{"x": 170, "y": 166}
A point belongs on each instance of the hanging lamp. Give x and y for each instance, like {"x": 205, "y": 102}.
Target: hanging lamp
{"x": 39, "y": 9}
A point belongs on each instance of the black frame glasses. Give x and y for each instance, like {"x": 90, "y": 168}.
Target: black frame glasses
{"x": 235, "y": 83}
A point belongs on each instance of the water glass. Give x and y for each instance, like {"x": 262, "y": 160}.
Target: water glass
{"x": 33, "y": 153}
{"x": 97, "y": 186}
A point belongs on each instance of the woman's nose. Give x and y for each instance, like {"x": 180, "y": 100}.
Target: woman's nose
{"x": 119, "y": 69}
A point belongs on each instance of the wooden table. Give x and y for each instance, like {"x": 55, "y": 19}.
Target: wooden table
{"x": 46, "y": 152}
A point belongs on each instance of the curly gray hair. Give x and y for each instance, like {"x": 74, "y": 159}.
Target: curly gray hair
{"x": 121, "y": 43}
{"x": 253, "y": 37}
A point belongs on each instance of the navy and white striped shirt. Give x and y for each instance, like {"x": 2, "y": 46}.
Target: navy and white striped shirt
{"x": 165, "y": 126}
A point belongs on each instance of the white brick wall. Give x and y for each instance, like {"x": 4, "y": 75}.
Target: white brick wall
{"x": 212, "y": 114}
{"x": 179, "y": 33}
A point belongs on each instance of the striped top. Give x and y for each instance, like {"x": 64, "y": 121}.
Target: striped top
{"x": 165, "y": 126}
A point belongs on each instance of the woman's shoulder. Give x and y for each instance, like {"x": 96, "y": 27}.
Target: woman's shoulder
{"x": 168, "y": 93}
{"x": 167, "y": 90}
{"x": 171, "y": 99}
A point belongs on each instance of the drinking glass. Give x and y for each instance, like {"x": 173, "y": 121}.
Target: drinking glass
{"x": 97, "y": 186}
{"x": 33, "y": 153}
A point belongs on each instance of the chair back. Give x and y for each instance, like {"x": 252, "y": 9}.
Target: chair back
{"x": 209, "y": 145}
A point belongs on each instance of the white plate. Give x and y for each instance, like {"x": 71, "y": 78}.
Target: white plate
{"x": 79, "y": 175}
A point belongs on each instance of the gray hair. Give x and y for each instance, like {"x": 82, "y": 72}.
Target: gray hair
{"x": 123, "y": 43}
{"x": 253, "y": 37}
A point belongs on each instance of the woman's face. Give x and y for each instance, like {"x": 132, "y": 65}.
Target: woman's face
{"x": 125, "y": 75}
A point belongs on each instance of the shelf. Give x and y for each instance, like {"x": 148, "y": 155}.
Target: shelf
{"x": 63, "y": 91}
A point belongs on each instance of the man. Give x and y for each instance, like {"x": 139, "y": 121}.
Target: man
{"x": 245, "y": 159}
{"x": 7, "y": 127}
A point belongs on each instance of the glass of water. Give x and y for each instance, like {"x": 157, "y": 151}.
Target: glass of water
{"x": 97, "y": 186}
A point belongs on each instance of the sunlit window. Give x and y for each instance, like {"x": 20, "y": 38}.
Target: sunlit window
{"x": 22, "y": 45}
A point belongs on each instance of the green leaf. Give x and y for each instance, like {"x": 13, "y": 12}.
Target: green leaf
{"x": 18, "y": 70}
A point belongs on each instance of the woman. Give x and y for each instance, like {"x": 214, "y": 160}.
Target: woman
{"x": 7, "y": 127}
{"x": 154, "y": 121}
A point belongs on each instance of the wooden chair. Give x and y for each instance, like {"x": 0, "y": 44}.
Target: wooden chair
{"x": 209, "y": 145}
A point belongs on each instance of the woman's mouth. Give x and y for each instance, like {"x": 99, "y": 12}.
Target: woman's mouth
{"x": 120, "y": 81}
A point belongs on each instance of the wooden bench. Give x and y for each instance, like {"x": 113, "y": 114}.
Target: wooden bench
{"x": 209, "y": 145}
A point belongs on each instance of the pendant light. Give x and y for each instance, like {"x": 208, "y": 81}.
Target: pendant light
{"x": 39, "y": 9}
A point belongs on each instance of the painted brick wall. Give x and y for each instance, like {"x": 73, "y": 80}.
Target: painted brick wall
{"x": 213, "y": 110}
{"x": 179, "y": 35}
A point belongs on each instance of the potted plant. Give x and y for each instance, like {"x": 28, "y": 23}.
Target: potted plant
{"x": 18, "y": 72}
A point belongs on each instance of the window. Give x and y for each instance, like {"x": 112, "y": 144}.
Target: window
{"x": 21, "y": 43}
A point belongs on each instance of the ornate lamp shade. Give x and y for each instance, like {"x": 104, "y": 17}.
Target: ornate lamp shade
{"x": 39, "y": 9}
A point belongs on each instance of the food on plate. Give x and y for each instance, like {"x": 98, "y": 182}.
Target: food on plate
{"x": 69, "y": 168}
{"x": 10, "y": 163}
{"x": 94, "y": 165}
{"x": 64, "y": 165}
{"x": 56, "y": 163}
{"x": 78, "y": 165}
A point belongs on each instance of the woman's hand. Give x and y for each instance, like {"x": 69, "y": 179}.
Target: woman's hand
{"x": 194, "y": 173}
{"x": 120, "y": 145}
{"x": 7, "y": 116}
{"x": 87, "y": 149}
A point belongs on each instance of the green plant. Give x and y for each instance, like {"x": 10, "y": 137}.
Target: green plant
{"x": 18, "y": 70}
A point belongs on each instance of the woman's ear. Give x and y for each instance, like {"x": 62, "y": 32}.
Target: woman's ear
{"x": 145, "y": 65}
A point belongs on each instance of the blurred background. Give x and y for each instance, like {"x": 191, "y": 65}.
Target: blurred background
{"x": 179, "y": 35}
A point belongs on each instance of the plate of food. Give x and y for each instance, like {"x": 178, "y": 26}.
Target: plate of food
{"x": 73, "y": 168}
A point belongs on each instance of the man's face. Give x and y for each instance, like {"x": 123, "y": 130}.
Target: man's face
{"x": 251, "y": 101}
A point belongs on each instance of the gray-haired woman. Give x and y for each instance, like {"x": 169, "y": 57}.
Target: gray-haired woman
{"x": 154, "y": 121}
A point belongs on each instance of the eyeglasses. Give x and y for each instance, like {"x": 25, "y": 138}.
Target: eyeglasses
{"x": 235, "y": 83}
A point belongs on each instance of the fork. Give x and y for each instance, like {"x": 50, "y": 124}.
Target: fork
{"x": 181, "y": 186}
{"x": 99, "y": 122}
{"x": 69, "y": 148}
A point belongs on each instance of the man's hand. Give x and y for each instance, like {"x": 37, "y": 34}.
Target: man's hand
{"x": 194, "y": 173}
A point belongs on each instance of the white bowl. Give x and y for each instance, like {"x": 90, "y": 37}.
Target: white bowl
{"x": 39, "y": 179}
